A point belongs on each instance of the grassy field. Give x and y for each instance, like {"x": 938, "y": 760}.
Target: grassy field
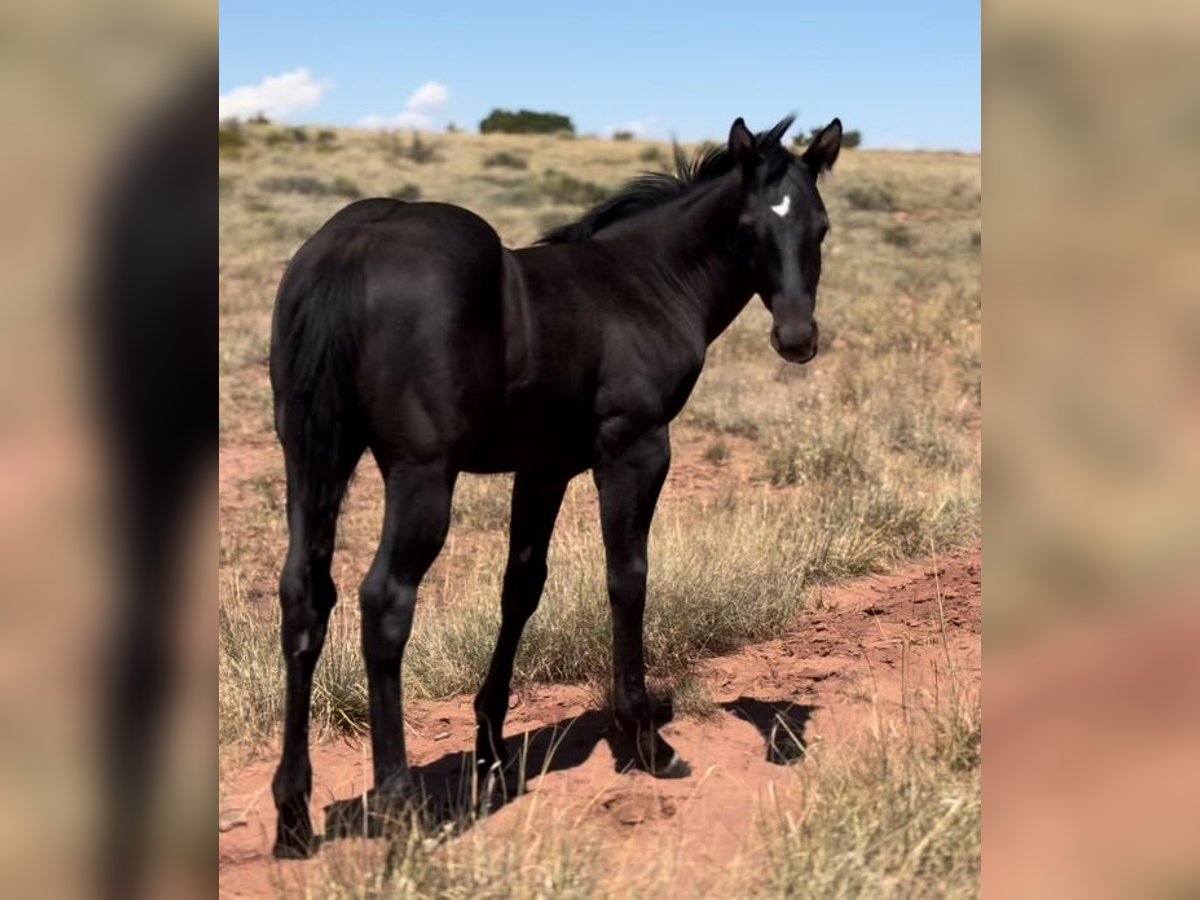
{"x": 785, "y": 477}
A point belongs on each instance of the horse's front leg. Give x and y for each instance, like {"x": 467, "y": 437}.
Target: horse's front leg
{"x": 629, "y": 481}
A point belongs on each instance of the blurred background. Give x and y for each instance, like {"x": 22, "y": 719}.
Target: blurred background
{"x": 1091, "y": 446}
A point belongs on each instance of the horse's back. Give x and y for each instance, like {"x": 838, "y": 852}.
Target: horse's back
{"x": 431, "y": 358}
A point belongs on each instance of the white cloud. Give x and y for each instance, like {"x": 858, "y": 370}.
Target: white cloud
{"x": 419, "y": 109}
{"x": 429, "y": 97}
{"x": 638, "y": 127}
{"x": 275, "y": 96}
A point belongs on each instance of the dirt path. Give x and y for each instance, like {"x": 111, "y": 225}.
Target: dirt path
{"x": 873, "y": 651}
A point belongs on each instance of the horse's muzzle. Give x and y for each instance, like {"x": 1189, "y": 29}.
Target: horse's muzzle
{"x": 796, "y": 343}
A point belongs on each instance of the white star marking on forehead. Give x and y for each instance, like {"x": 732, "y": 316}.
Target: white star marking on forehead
{"x": 781, "y": 208}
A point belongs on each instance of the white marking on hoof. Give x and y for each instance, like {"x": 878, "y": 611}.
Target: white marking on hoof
{"x": 781, "y": 208}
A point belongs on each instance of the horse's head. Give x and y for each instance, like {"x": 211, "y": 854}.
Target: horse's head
{"x": 785, "y": 222}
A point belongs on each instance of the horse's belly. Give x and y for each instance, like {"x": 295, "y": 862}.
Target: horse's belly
{"x": 533, "y": 433}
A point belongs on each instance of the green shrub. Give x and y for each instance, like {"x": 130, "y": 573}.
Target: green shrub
{"x": 899, "y": 236}
{"x": 652, "y": 154}
{"x": 568, "y": 190}
{"x": 307, "y": 184}
{"x": 870, "y": 196}
{"x": 505, "y": 160}
{"x": 326, "y": 136}
{"x": 622, "y": 136}
{"x": 230, "y": 137}
{"x": 407, "y": 191}
{"x": 717, "y": 452}
{"x": 344, "y": 187}
{"x": 417, "y": 150}
{"x": 294, "y": 184}
{"x": 850, "y": 139}
{"x": 420, "y": 151}
{"x": 525, "y": 121}
{"x": 551, "y": 219}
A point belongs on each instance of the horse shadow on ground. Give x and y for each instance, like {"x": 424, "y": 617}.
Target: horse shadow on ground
{"x": 450, "y": 799}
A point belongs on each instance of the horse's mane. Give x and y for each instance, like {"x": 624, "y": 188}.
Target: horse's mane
{"x": 653, "y": 189}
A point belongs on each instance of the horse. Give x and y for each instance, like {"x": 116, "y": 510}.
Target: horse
{"x": 409, "y": 329}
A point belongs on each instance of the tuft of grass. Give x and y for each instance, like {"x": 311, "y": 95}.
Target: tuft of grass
{"x": 899, "y": 236}
{"x": 552, "y": 219}
{"x": 230, "y": 138}
{"x": 886, "y": 822}
{"x": 716, "y": 452}
{"x": 278, "y": 136}
{"x": 407, "y": 191}
{"x": 506, "y": 160}
{"x": 652, "y": 154}
{"x": 422, "y": 151}
{"x": 483, "y": 501}
{"x": 559, "y": 187}
{"x": 870, "y": 197}
{"x": 691, "y": 698}
{"x": 345, "y": 187}
{"x": 417, "y": 149}
{"x": 341, "y": 186}
{"x": 419, "y": 859}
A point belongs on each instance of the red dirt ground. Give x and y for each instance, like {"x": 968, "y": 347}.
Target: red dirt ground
{"x": 871, "y": 653}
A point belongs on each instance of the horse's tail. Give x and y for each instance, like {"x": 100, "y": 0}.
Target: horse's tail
{"x": 315, "y": 344}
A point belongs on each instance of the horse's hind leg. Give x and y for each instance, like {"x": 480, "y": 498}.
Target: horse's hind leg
{"x": 307, "y": 595}
{"x": 415, "y": 523}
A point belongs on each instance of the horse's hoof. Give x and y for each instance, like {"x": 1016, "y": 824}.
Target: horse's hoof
{"x": 284, "y": 852}
{"x": 676, "y": 767}
{"x": 294, "y": 832}
{"x": 293, "y": 845}
{"x": 395, "y": 794}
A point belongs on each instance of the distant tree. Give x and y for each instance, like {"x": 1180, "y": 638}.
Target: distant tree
{"x": 850, "y": 139}
{"x": 525, "y": 121}
{"x": 622, "y": 136}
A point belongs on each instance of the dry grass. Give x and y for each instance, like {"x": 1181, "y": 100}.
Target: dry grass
{"x": 896, "y": 819}
{"x": 419, "y": 861}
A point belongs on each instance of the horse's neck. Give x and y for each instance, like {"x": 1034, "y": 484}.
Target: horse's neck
{"x": 693, "y": 246}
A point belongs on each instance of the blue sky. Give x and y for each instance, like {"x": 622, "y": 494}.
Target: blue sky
{"x": 906, "y": 75}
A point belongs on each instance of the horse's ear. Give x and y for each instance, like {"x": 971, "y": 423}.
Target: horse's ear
{"x": 822, "y": 153}
{"x": 741, "y": 143}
